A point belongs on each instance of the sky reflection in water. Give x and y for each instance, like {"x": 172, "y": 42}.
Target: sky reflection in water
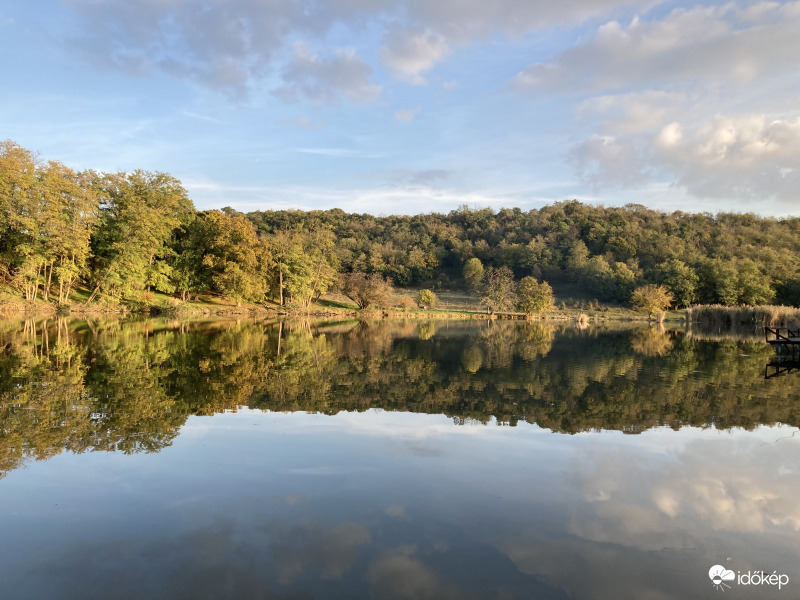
{"x": 380, "y": 504}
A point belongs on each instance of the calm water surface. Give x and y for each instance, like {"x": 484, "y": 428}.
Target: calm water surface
{"x": 392, "y": 460}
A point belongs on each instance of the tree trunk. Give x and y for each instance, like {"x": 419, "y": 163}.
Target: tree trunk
{"x": 36, "y": 282}
{"x": 94, "y": 293}
{"x": 280, "y": 284}
{"x": 68, "y": 289}
{"x": 49, "y": 281}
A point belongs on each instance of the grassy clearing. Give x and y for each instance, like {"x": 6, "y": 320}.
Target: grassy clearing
{"x": 452, "y": 304}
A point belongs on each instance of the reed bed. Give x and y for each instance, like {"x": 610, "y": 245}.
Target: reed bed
{"x": 742, "y": 319}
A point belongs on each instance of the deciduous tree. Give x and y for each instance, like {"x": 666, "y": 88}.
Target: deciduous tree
{"x": 234, "y": 262}
{"x": 473, "y": 273}
{"x": 498, "y": 293}
{"x": 138, "y": 214}
{"x": 427, "y": 299}
{"x": 534, "y": 297}
{"x": 651, "y": 299}
{"x": 367, "y": 290}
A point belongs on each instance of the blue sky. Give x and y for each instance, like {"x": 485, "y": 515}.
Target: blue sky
{"x": 407, "y": 106}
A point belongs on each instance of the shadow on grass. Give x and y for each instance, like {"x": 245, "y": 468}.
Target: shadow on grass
{"x": 336, "y": 304}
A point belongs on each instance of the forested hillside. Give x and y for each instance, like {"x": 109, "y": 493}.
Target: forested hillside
{"x": 120, "y": 235}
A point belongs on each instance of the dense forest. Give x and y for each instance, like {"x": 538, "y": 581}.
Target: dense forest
{"x": 120, "y": 236}
{"x": 130, "y": 386}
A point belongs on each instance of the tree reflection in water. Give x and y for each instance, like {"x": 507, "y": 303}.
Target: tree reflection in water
{"x": 130, "y": 386}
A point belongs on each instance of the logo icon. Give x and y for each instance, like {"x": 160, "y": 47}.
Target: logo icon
{"x": 719, "y": 575}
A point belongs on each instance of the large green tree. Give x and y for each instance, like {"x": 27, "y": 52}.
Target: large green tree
{"x": 232, "y": 261}
{"x": 681, "y": 280}
{"x": 47, "y": 212}
{"x": 140, "y": 213}
{"x": 473, "y": 273}
{"x": 306, "y": 264}
{"x": 534, "y": 296}
{"x": 499, "y": 293}
{"x": 20, "y": 218}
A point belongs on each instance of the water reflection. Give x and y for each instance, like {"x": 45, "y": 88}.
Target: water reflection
{"x": 130, "y": 386}
{"x": 781, "y": 366}
{"x": 263, "y": 505}
{"x": 319, "y": 474}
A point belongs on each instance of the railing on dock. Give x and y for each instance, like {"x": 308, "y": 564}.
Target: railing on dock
{"x": 782, "y": 335}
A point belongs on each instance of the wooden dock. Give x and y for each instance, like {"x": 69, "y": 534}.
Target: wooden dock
{"x": 787, "y": 342}
{"x": 782, "y": 336}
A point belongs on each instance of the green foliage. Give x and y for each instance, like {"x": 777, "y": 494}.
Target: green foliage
{"x": 651, "y": 299}
{"x": 734, "y": 283}
{"x": 306, "y": 264}
{"x": 139, "y": 213}
{"x": 534, "y": 297}
{"x": 753, "y": 286}
{"x": 577, "y": 260}
{"x": 499, "y": 293}
{"x": 427, "y": 299}
{"x": 46, "y": 214}
{"x": 788, "y": 292}
{"x": 681, "y": 281}
{"x": 123, "y": 233}
{"x": 473, "y": 273}
{"x": 233, "y": 262}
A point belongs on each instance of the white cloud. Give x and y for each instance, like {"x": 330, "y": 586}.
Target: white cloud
{"x": 229, "y": 45}
{"x": 704, "y": 46}
{"x": 407, "y": 192}
{"x": 701, "y": 97}
{"x": 700, "y": 485}
{"x": 199, "y": 117}
{"x": 324, "y": 80}
{"x": 635, "y": 111}
{"x": 469, "y": 19}
{"x": 397, "y": 575}
{"x": 409, "y": 54}
{"x": 742, "y": 156}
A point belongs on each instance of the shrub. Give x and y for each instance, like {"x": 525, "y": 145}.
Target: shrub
{"x": 367, "y": 290}
{"x": 406, "y": 303}
{"x": 426, "y": 299}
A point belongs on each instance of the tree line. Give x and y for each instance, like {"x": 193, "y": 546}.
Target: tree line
{"x": 120, "y": 235}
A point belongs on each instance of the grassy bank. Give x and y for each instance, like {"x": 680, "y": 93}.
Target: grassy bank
{"x": 452, "y": 304}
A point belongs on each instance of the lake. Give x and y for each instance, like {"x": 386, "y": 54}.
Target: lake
{"x": 394, "y": 459}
